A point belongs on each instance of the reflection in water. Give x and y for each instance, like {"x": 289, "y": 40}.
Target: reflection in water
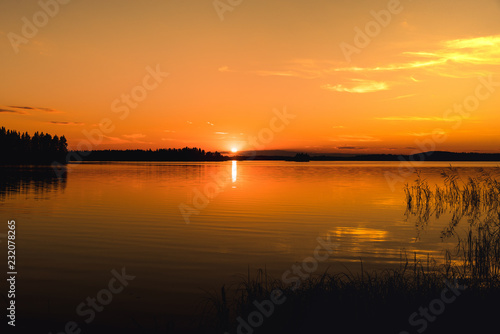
{"x": 234, "y": 171}
{"x": 115, "y": 215}
{"x": 359, "y": 239}
{"x": 474, "y": 197}
{"x": 31, "y": 181}
{"x": 360, "y": 233}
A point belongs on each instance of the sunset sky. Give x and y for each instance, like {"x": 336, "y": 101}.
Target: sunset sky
{"x": 428, "y": 67}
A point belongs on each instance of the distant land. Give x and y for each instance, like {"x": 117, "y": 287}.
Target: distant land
{"x": 424, "y": 156}
{"x": 18, "y": 148}
{"x": 196, "y": 154}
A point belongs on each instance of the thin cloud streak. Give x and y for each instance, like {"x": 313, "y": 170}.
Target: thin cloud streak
{"x": 66, "y": 123}
{"x": 416, "y": 119}
{"x": 13, "y": 111}
{"x": 358, "y": 86}
{"x": 355, "y": 138}
{"x": 48, "y": 110}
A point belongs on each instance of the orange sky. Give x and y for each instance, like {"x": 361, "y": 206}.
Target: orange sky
{"x": 388, "y": 93}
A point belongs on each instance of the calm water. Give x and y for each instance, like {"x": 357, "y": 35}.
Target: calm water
{"x": 73, "y": 230}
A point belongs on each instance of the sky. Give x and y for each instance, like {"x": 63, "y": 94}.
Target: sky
{"x": 343, "y": 76}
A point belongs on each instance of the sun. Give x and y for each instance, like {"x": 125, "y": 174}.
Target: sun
{"x": 234, "y": 150}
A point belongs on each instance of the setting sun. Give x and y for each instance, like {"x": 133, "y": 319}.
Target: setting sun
{"x": 234, "y": 150}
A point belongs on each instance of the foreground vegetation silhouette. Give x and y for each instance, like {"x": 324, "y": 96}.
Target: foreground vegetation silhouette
{"x": 457, "y": 296}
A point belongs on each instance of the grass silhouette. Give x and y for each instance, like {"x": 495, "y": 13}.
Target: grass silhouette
{"x": 384, "y": 301}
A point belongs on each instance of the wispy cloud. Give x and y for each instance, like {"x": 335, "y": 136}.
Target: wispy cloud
{"x": 116, "y": 140}
{"x": 459, "y": 58}
{"x": 358, "y": 86}
{"x": 297, "y": 68}
{"x": 354, "y": 138}
{"x": 424, "y": 134}
{"x": 48, "y": 110}
{"x": 349, "y": 148}
{"x": 415, "y": 119}
{"x": 135, "y": 136}
{"x": 66, "y": 123}
{"x": 13, "y": 111}
{"x": 400, "y": 97}
{"x": 221, "y": 133}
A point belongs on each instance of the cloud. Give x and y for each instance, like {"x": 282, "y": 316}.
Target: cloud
{"x": 355, "y": 138}
{"x": 349, "y": 148}
{"x": 49, "y": 110}
{"x": 17, "y": 107}
{"x": 221, "y": 133}
{"x": 297, "y": 68}
{"x": 459, "y": 58}
{"x": 135, "y": 136}
{"x": 416, "y": 119}
{"x": 358, "y": 86}
{"x": 400, "y": 97}
{"x": 279, "y": 74}
{"x": 424, "y": 134}
{"x": 116, "y": 140}
{"x": 338, "y": 127}
{"x": 169, "y": 131}
{"x": 66, "y": 123}
{"x": 211, "y": 124}
{"x": 13, "y": 111}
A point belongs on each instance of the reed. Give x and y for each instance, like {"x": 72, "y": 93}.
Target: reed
{"x": 383, "y": 301}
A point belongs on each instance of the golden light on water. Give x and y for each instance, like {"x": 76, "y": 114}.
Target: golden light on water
{"x": 234, "y": 171}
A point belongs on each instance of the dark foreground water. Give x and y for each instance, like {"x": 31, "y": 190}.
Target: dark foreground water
{"x": 161, "y": 236}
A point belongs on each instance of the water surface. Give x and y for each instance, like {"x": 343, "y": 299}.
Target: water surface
{"x": 72, "y": 230}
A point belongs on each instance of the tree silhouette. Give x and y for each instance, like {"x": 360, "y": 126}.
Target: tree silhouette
{"x": 41, "y": 149}
{"x": 170, "y": 154}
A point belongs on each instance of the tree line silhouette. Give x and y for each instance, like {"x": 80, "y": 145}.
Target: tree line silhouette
{"x": 39, "y": 149}
{"x": 170, "y": 154}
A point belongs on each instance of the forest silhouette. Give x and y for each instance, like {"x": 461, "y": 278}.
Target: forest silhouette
{"x": 39, "y": 149}
{"x": 170, "y": 154}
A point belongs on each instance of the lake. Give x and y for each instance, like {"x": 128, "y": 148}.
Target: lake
{"x": 183, "y": 230}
